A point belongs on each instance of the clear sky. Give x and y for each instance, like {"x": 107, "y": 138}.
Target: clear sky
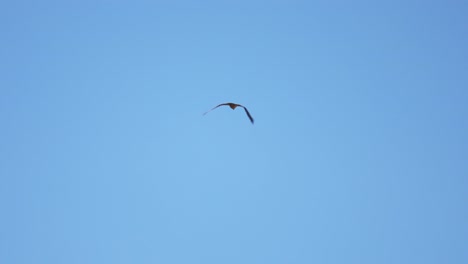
{"x": 359, "y": 152}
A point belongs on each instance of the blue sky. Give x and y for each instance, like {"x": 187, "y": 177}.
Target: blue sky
{"x": 358, "y": 153}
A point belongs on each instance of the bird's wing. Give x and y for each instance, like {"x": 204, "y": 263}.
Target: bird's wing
{"x": 214, "y": 108}
{"x": 248, "y": 114}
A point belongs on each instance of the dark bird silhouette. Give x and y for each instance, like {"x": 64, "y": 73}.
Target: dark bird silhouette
{"x": 233, "y": 106}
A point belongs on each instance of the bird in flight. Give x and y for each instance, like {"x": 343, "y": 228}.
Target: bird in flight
{"x": 233, "y": 106}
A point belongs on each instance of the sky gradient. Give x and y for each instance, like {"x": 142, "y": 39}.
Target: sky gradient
{"x": 359, "y": 152}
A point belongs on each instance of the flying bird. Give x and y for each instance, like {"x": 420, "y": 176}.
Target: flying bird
{"x": 233, "y": 106}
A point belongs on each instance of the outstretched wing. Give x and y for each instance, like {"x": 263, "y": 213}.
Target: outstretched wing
{"x": 214, "y": 108}
{"x": 248, "y": 114}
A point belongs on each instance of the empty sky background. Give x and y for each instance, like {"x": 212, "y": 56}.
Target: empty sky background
{"x": 359, "y": 153}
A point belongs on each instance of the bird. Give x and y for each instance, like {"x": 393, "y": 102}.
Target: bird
{"x": 233, "y": 106}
